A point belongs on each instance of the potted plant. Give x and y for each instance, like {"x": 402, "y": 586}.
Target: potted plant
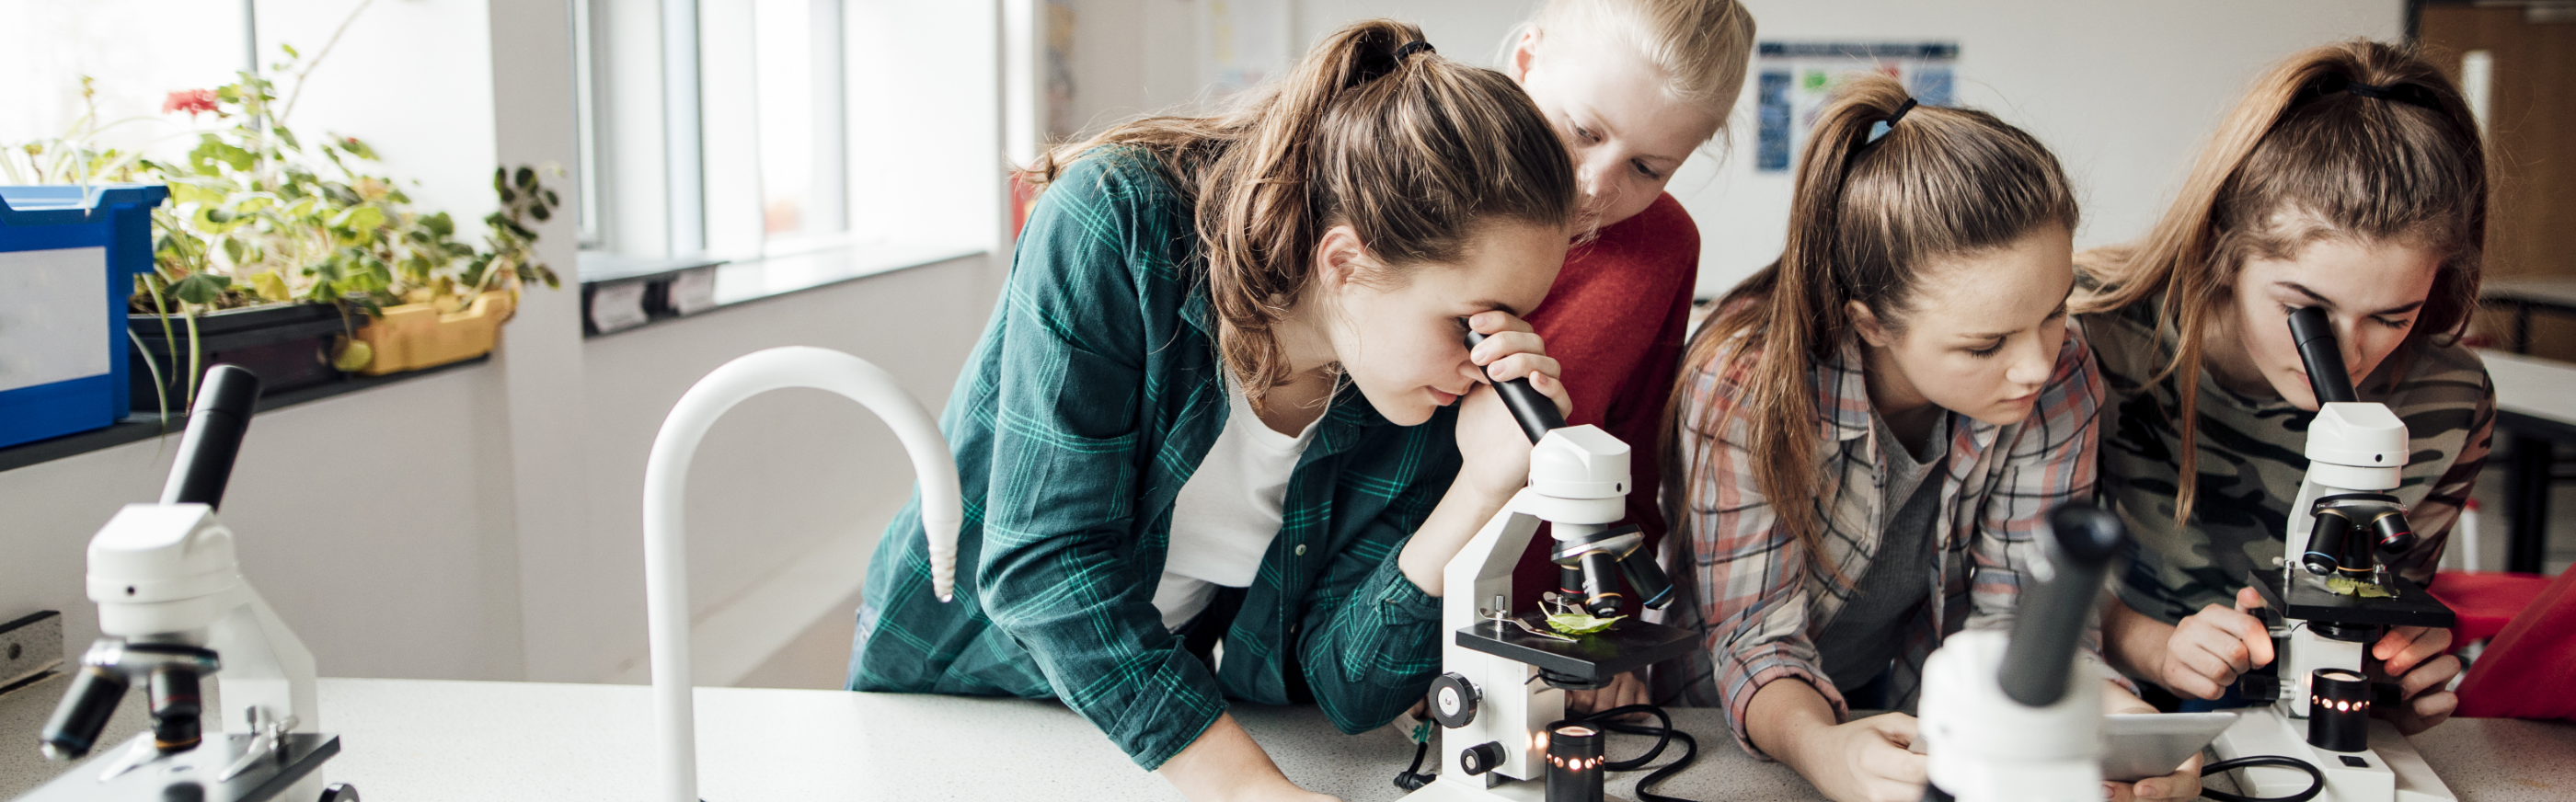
{"x": 300, "y": 262}
{"x": 456, "y": 313}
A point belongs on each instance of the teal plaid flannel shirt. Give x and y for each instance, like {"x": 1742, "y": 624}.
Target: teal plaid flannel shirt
{"x": 1092, "y": 396}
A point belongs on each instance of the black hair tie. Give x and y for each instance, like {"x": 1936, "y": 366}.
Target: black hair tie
{"x": 1878, "y": 130}
{"x": 1412, "y": 47}
{"x": 2409, "y": 94}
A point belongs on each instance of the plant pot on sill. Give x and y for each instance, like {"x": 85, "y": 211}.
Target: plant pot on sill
{"x": 288, "y": 345}
{"x": 415, "y": 336}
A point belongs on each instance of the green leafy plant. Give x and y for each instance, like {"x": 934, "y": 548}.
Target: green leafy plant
{"x": 258, "y": 216}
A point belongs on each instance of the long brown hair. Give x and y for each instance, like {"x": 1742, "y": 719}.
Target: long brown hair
{"x": 2307, "y": 156}
{"x": 1413, "y": 151}
{"x": 1864, "y": 219}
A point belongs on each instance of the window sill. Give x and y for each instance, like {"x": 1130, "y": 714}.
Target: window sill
{"x": 621, "y": 295}
{"x": 143, "y": 426}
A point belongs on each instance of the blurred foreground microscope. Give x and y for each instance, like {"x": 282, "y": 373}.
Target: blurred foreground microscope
{"x": 174, "y": 610}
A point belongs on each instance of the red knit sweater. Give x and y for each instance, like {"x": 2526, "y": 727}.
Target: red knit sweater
{"x": 1614, "y": 319}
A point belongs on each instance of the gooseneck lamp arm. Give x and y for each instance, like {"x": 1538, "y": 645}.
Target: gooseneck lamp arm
{"x": 666, "y": 473}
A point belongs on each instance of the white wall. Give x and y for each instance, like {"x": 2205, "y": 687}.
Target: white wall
{"x": 361, "y": 519}
{"x": 785, "y": 478}
{"x": 384, "y": 525}
{"x": 2125, "y": 92}
{"x": 484, "y": 523}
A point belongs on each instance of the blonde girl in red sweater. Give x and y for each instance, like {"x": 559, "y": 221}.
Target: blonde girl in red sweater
{"x": 1634, "y": 87}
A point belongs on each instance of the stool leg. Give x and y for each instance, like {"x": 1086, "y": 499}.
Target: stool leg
{"x": 2527, "y": 494}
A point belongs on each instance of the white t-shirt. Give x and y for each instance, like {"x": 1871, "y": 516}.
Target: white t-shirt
{"x": 1228, "y": 512}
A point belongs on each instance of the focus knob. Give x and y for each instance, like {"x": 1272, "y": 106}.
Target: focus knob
{"x": 1453, "y": 701}
{"x": 1480, "y": 758}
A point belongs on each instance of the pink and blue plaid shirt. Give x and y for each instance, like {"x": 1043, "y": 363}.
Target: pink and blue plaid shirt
{"x": 1758, "y": 603}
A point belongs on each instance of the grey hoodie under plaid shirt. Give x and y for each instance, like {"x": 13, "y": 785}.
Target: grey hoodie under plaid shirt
{"x": 1759, "y": 606}
{"x": 1092, "y": 396}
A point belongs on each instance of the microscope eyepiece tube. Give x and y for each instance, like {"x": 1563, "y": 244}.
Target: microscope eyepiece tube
{"x": 213, "y": 436}
{"x": 2039, "y": 658}
{"x": 2338, "y": 710}
{"x": 1574, "y": 764}
{"x": 1535, "y": 412}
{"x": 2325, "y": 542}
{"x": 2314, "y": 336}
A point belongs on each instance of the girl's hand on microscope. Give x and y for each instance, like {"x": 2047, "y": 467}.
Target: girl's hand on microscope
{"x": 1865, "y": 761}
{"x": 2414, "y": 655}
{"x": 2208, "y": 650}
{"x": 1495, "y": 450}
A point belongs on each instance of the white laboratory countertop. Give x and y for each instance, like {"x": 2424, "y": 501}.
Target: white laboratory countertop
{"x": 2543, "y": 289}
{"x": 2541, "y": 388}
{"x": 405, "y": 740}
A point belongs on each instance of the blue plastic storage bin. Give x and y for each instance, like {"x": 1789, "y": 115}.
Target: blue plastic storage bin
{"x": 68, "y": 257}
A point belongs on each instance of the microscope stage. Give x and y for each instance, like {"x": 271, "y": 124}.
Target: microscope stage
{"x": 2412, "y": 607}
{"x": 190, "y": 776}
{"x": 1626, "y": 646}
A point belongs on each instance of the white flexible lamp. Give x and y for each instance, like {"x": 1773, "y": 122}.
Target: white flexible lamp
{"x": 666, "y": 477}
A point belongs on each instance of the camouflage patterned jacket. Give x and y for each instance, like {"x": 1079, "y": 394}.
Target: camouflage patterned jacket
{"x": 2252, "y": 459}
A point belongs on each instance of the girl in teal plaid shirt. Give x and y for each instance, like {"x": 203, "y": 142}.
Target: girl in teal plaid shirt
{"x": 1225, "y": 401}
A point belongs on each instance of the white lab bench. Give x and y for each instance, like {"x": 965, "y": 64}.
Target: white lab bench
{"x": 405, "y": 740}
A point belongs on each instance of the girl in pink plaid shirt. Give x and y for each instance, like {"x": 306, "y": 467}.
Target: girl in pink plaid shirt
{"x": 1904, "y": 381}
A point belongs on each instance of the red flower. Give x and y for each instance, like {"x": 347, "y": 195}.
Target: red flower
{"x": 192, "y": 101}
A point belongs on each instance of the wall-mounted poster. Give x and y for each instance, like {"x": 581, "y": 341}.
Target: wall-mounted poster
{"x": 1241, "y": 44}
{"x": 1793, "y": 79}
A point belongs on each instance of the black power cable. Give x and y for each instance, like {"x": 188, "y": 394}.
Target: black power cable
{"x": 2315, "y": 787}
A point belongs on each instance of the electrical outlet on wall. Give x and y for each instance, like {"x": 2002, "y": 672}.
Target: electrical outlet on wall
{"x": 31, "y": 648}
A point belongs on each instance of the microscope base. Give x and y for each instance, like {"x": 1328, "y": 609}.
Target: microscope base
{"x": 190, "y": 775}
{"x": 2391, "y": 772}
{"x": 1473, "y": 790}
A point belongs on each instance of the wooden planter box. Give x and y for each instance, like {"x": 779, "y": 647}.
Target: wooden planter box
{"x": 415, "y": 336}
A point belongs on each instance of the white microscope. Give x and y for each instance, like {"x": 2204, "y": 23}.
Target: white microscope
{"x": 1506, "y": 672}
{"x": 2017, "y": 718}
{"x": 2321, "y": 716}
{"x": 173, "y": 609}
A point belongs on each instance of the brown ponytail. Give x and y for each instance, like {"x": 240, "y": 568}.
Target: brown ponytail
{"x": 1413, "y": 151}
{"x": 2304, "y": 158}
{"x": 1864, "y": 219}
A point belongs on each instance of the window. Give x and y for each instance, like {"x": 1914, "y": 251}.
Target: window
{"x": 758, "y": 129}
{"x": 135, "y": 51}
